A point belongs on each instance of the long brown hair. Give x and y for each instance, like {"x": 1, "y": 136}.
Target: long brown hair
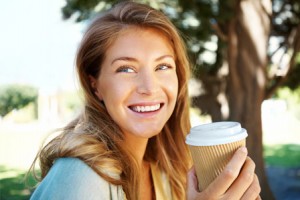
{"x": 95, "y": 138}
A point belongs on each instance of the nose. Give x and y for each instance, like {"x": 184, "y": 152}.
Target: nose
{"x": 148, "y": 83}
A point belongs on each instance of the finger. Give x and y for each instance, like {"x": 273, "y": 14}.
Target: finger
{"x": 221, "y": 184}
{"x": 192, "y": 182}
{"x": 253, "y": 191}
{"x": 243, "y": 181}
{"x": 192, "y": 185}
{"x": 258, "y": 198}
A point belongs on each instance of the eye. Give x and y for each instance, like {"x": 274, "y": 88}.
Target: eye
{"x": 125, "y": 69}
{"x": 164, "y": 66}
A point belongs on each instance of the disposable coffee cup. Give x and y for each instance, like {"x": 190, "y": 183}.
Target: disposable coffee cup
{"x": 212, "y": 146}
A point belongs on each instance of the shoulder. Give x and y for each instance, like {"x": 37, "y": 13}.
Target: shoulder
{"x": 71, "y": 178}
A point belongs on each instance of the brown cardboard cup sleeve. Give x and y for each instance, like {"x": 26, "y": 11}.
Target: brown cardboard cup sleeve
{"x": 212, "y": 146}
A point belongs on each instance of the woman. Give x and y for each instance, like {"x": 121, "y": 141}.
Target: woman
{"x": 128, "y": 143}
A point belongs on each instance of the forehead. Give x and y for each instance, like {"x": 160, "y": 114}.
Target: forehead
{"x": 133, "y": 37}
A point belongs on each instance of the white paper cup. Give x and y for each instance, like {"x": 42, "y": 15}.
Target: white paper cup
{"x": 212, "y": 146}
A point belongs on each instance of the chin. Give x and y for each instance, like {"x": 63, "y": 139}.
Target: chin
{"x": 146, "y": 134}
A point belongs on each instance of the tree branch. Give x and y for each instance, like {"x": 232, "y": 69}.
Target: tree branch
{"x": 280, "y": 80}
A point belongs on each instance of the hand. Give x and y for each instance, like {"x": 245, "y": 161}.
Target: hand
{"x": 237, "y": 181}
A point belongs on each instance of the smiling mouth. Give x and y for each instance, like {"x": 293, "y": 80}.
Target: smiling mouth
{"x": 144, "y": 109}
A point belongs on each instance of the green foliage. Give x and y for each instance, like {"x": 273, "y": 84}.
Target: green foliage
{"x": 86, "y": 8}
{"x": 292, "y": 97}
{"x": 194, "y": 19}
{"x": 293, "y": 81}
{"x": 16, "y": 97}
{"x": 197, "y": 20}
{"x": 286, "y": 155}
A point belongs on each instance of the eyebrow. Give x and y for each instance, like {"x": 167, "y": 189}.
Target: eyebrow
{"x": 126, "y": 58}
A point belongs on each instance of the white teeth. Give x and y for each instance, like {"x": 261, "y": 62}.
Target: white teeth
{"x": 146, "y": 108}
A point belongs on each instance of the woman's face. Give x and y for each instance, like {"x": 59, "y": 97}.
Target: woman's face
{"x": 138, "y": 82}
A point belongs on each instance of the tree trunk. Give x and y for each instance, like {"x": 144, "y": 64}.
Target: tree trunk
{"x": 247, "y": 58}
{"x": 208, "y": 102}
{"x": 248, "y": 35}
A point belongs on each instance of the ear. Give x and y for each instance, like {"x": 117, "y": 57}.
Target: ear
{"x": 93, "y": 83}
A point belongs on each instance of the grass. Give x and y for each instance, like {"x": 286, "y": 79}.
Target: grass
{"x": 285, "y": 155}
{"x": 13, "y": 185}
{"x": 18, "y": 145}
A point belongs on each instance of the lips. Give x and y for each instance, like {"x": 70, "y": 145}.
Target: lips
{"x": 145, "y": 108}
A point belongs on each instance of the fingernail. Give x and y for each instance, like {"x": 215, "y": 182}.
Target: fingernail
{"x": 244, "y": 149}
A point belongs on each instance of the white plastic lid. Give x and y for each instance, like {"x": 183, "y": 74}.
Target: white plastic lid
{"x": 216, "y": 133}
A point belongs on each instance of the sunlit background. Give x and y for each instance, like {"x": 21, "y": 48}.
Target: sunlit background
{"x": 37, "y": 49}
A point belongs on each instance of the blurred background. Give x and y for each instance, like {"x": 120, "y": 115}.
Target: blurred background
{"x": 246, "y": 68}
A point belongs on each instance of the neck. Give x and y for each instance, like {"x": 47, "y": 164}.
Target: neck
{"x": 137, "y": 146}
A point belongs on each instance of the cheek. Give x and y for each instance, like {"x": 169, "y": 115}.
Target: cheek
{"x": 171, "y": 85}
{"x": 114, "y": 92}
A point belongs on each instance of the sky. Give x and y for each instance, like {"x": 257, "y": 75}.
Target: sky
{"x": 38, "y": 47}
